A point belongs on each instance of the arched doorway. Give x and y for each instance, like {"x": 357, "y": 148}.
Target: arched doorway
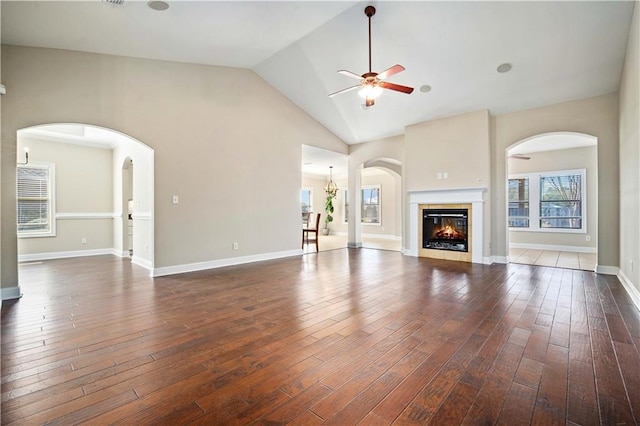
{"x": 552, "y": 192}
{"x": 92, "y": 180}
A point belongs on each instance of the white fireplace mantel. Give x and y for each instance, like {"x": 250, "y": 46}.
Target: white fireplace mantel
{"x": 473, "y": 196}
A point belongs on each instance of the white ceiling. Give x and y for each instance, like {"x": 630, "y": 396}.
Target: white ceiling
{"x": 560, "y": 51}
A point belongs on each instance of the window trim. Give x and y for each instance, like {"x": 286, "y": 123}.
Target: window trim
{"x": 534, "y": 201}
{"x": 345, "y": 201}
{"x": 310, "y": 189}
{"x": 52, "y": 201}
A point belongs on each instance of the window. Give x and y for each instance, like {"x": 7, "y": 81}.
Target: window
{"x": 369, "y": 208}
{"x": 561, "y": 201}
{"x": 519, "y": 203}
{"x": 371, "y": 205}
{"x": 558, "y": 198}
{"x": 35, "y": 183}
{"x": 306, "y": 200}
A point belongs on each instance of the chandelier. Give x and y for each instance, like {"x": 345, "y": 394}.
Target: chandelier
{"x": 331, "y": 189}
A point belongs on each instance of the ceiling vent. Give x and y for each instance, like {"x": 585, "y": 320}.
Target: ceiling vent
{"x": 117, "y": 2}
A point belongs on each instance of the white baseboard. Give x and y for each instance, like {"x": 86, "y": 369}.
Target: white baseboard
{"x": 632, "y": 291}
{"x": 146, "y": 264}
{"x": 8, "y": 293}
{"x": 354, "y": 245}
{"x": 65, "y": 254}
{"x": 211, "y": 264}
{"x": 379, "y": 236}
{"x": 500, "y": 259}
{"x": 607, "y": 270}
{"x": 578, "y": 249}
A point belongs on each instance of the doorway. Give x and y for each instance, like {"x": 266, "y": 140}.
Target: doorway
{"x": 552, "y": 211}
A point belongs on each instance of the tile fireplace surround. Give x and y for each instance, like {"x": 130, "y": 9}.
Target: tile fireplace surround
{"x": 471, "y": 196}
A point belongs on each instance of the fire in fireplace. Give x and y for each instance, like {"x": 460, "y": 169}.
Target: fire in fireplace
{"x": 445, "y": 229}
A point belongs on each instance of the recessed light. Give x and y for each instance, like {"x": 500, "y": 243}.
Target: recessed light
{"x": 503, "y": 68}
{"x": 425, "y": 88}
{"x": 158, "y": 5}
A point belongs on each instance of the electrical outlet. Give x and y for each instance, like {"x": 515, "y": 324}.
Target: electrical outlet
{"x": 146, "y": 248}
{"x": 445, "y": 175}
{"x": 235, "y": 246}
{"x": 439, "y": 175}
{"x": 175, "y": 199}
{"x": 588, "y": 237}
{"x": 631, "y": 265}
{"x": 84, "y": 240}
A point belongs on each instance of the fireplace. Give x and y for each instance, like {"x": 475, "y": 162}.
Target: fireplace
{"x": 445, "y": 229}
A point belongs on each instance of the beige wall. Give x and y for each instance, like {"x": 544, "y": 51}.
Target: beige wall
{"x": 317, "y": 183}
{"x": 224, "y": 141}
{"x": 594, "y": 116}
{"x": 83, "y": 187}
{"x": 456, "y": 145}
{"x": 564, "y": 159}
{"x": 629, "y": 123}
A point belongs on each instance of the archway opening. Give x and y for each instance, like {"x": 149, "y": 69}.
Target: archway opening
{"x": 552, "y": 193}
{"x": 90, "y": 182}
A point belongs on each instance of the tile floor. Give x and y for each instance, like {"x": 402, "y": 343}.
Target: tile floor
{"x": 560, "y": 259}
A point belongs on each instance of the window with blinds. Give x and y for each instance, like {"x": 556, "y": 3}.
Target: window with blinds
{"x": 35, "y": 201}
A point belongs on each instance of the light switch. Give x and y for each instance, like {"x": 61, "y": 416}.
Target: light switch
{"x": 175, "y": 199}
{"x": 439, "y": 175}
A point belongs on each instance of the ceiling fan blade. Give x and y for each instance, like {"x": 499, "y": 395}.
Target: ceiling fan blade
{"x": 350, "y": 74}
{"x": 391, "y": 71}
{"x": 344, "y": 90}
{"x": 396, "y": 87}
{"x": 519, "y": 157}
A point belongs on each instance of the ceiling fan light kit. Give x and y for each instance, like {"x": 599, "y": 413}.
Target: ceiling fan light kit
{"x": 371, "y": 83}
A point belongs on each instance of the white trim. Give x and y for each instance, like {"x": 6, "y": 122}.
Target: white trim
{"x": 65, "y": 254}
{"x": 535, "y": 202}
{"x": 140, "y": 261}
{"x": 473, "y": 196}
{"x": 632, "y": 291}
{"x": 65, "y": 216}
{"x": 379, "y": 236}
{"x": 607, "y": 270}
{"x": 51, "y": 167}
{"x": 9, "y": 293}
{"x": 211, "y": 264}
{"x": 354, "y": 245}
{"x": 141, "y": 216}
{"x": 579, "y": 249}
{"x": 500, "y": 259}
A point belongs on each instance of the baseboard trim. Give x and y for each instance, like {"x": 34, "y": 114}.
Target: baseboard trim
{"x": 503, "y": 260}
{"x": 354, "y": 245}
{"x": 212, "y": 264}
{"x": 65, "y": 254}
{"x": 146, "y": 264}
{"x": 607, "y": 270}
{"x": 632, "y": 291}
{"x": 578, "y": 249}
{"x": 9, "y": 293}
{"x": 379, "y": 236}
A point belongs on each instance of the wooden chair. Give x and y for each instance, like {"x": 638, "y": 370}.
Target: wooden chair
{"x": 305, "y": 219}
{"x": 310, "y": 230}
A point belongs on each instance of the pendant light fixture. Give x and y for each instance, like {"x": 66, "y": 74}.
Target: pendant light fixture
{"x": 331, "y": 189}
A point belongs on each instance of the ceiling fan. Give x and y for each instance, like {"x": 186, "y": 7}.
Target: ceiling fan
{"x": 519, "y": 157}
{"x": 372, "y": 83}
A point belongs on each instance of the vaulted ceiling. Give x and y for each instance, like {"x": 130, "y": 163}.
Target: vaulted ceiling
{"x": 559, "y": 51}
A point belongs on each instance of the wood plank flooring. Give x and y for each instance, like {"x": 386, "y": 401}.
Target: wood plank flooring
{"x": 340, "y": 337}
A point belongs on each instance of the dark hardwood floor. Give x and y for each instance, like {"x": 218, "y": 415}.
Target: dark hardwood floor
{"x": 339, "y": 337}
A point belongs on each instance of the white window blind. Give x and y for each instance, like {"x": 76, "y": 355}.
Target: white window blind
{"x": 34, "y": 195}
